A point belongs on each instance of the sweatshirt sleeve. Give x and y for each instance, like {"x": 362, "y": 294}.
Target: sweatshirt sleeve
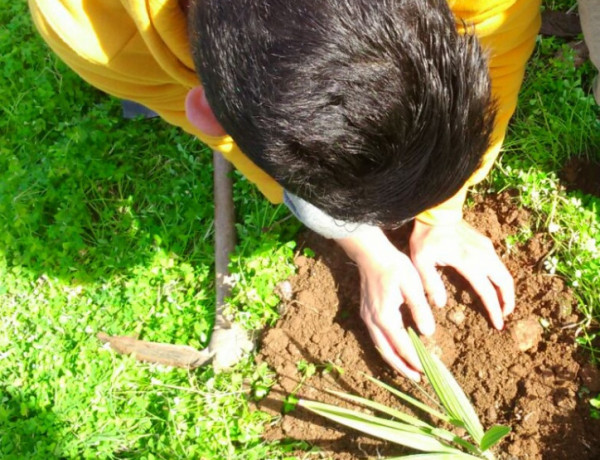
{"x": 137, "y": 50}
{"x": 506, "y": 30}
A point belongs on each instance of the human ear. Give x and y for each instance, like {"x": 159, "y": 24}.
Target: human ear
{"x": 200, "y": 114}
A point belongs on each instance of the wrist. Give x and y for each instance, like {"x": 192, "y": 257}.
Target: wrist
{"x": 370, "y": 246}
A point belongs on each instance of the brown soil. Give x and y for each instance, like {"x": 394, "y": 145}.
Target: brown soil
{"x": 530, "y": 378}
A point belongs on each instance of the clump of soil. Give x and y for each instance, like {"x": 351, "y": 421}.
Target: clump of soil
{"x": 528, "y": 377}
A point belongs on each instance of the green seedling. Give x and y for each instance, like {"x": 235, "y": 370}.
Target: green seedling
{"x": 412, "y": 432}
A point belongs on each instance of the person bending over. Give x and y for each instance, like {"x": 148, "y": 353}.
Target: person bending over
{"x": 359, "y": 115}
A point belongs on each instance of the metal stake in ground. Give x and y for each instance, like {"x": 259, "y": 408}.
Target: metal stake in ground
{"x": 229, "y": 341}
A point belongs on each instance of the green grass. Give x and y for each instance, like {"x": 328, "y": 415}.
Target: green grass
{"x": 557, "y": 118}
{"x": 106, "y": 225}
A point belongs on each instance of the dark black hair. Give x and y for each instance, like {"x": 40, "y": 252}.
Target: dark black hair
{"x": 372, "y": 110}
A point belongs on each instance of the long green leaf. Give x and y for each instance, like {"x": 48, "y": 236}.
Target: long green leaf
{"x": 398, "y": 433}
{"x": 436, "y": 456}
{"x": 409, "y": 399}
{"x": 447, "y": 389}
{"x": 451, "y": 437}
{"x": 382, "y": 408}
{"x": 439, "y": 432}
{"x": 493, "y": 435}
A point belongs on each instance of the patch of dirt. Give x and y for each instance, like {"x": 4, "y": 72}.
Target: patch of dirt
{"x": 528, "y": 377}
{"x": 582, "y": 174}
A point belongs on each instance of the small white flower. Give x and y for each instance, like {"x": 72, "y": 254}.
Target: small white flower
{"x": 553, "y": 227}
{"x": 231, "y": 280}
{"x": 577, "y": 273}
{"x": 253, "y": 295}
{"x": 590, "y": 245}
{"x": 575, "y": 283}
{"x": 576, "y": 202}
{"x": 551, "y": 264}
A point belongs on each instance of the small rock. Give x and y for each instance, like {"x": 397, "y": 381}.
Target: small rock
{"x": 527, "y": 333}
{"x": 565, "y": 309}
{"x": 518, "y": 370}
{"x": 229, "y": 345}
{"x": 284, "y": 290}
{"x": 530, "y": 421}
{"x": 456, "y": 317}
{"x": 511, "y": 217}
{"x": 492, "y": 415}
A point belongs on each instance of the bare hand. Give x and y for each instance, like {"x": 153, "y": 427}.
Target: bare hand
{"x": 388, "y": 280}
{"x": 469, "y": 252}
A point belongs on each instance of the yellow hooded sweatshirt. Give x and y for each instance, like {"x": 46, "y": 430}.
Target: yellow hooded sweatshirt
{"x": 139, "y": 50}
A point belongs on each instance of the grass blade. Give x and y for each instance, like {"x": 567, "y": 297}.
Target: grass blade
{"x": 398, "y": 433}
{"x": 383, "y": 409}
{"x": 437, "y": 456}
{"x": 447, "y": 389}
{"x": 409, "y": 399}
{"x": 493, "y": 435}
{"x": 439, "y": 432}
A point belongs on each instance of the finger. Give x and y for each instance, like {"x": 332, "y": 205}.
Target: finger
{"x": 501, "y": 277}
{"x": 432, "y": 281}
{"x": 389, "y": 354}
{"x": 412, "y": 291}
{"x": 391, "y": 329}
{"x": 489, "y": 296}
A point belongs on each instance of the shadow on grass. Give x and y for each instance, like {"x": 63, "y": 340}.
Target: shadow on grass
{"x": 107, "y": 202}
{"x": 28, "y": 431}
